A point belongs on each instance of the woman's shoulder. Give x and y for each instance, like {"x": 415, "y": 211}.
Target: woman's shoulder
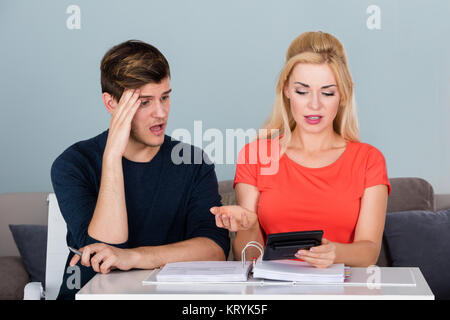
{"x": 365, "y": 150}
{"x": 359, "y": 145}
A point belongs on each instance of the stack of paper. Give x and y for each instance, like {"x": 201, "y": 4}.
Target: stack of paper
{"x": 204, "y": 271}
{"x": 299, "y": 271}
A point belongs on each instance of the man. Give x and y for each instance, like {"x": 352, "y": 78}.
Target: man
{"x": 126, "y": 203}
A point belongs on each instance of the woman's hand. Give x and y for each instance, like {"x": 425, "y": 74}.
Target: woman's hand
{"x": 234, "y": 218}
{"x": 321, "y": 256}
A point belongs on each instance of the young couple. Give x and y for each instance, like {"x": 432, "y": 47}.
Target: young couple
{"x": 128, "y": 205}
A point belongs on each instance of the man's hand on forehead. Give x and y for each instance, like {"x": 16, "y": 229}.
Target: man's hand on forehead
{"x": 120, "y": 124}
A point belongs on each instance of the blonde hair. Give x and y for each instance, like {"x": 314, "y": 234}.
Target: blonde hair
{"x": 314, "y": 48}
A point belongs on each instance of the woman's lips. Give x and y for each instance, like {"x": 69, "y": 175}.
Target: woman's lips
{"x": 313, "y": 119}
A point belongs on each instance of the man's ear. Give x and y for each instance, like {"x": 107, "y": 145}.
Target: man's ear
{"x": 109, "y": 102}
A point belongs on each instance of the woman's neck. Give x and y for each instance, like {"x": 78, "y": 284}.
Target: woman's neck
{"x": 315, "y": 142}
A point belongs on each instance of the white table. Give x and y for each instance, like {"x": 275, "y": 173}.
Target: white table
{"x": 124, "y": 285}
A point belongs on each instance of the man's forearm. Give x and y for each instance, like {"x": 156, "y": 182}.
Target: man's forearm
{"x": 195, "y": 249}
{"x": 109, "y": 222}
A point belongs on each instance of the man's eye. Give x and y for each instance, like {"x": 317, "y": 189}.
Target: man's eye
{"x": 164, "y": 98}
{"x": 145, "y": 103}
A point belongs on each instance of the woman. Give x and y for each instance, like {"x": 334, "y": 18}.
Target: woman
{"x": 326, "y": 179}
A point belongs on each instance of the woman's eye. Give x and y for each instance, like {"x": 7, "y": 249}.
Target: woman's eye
{"x": 328, "y": 94}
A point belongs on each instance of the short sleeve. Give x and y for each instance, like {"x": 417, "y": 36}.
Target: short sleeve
{"x": 376, "y": 171}
{"x": 247, "y": 165}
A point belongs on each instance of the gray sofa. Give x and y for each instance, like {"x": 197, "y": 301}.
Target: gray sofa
{"x": 31, "y": 208}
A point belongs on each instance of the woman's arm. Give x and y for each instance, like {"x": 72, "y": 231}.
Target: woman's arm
{"x": 247, "y": 197}
{"x": 365, "y": 249}
{"x": 242, "y": 219}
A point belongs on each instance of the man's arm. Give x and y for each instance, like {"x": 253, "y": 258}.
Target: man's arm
{"x": 107, "y": 257}
{"x": 196, "y": 249}
{"x": 109, "y": 222}
{"x": 204, "y": 240}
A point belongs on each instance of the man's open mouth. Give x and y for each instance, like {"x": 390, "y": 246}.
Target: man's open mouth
{"x": 158, "y": 128}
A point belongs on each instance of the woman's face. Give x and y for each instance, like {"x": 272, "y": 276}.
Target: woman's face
{"x": 314, "y": 97}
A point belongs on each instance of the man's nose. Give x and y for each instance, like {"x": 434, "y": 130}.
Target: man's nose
{"x": 160, "y": 110}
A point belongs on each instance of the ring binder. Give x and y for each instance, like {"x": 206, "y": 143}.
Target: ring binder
{"x": 254, "y": 244}
{"x": 283, "y": 271}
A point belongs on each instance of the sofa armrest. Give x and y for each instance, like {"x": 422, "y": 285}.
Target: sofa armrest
{"x": 441, "y": 202}
{"x": 33, "y": 291}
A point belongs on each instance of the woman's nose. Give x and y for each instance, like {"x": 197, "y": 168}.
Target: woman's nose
{"x": 314, "y": 103}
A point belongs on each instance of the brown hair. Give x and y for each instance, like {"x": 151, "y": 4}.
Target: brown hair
{"x": 130, "y": 65}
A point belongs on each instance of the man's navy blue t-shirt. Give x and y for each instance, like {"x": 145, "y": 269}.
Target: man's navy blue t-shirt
{"x": 166, "y": 202}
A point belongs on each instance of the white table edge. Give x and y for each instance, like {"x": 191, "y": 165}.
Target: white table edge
{"x": 419, "y": 278}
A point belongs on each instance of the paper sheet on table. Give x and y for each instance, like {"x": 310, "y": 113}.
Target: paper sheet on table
{"x": 204, "y": 271}
{"x": 293, "y": 270}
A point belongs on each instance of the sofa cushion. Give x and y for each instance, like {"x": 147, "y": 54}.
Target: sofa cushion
{"x": 226, "y": 191}
{"x": 422, "y": 239}
{"x": 31, "y": 240}
{"x": 20, "y": 208}
{"x": 410, "y": 194}
{"x": 384, "y": 258}
{"x": 226, "y": 186}
{"x": 441, "y": 202}
{"x": 13, "y": 277}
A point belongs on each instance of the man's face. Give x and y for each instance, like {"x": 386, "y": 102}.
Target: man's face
{"x": 149, "y": 123}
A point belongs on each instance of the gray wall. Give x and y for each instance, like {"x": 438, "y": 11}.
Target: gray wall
{"x": 225, "y": 57}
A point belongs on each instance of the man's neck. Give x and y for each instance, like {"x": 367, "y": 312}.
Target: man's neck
{"x": 138, "y": 152}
